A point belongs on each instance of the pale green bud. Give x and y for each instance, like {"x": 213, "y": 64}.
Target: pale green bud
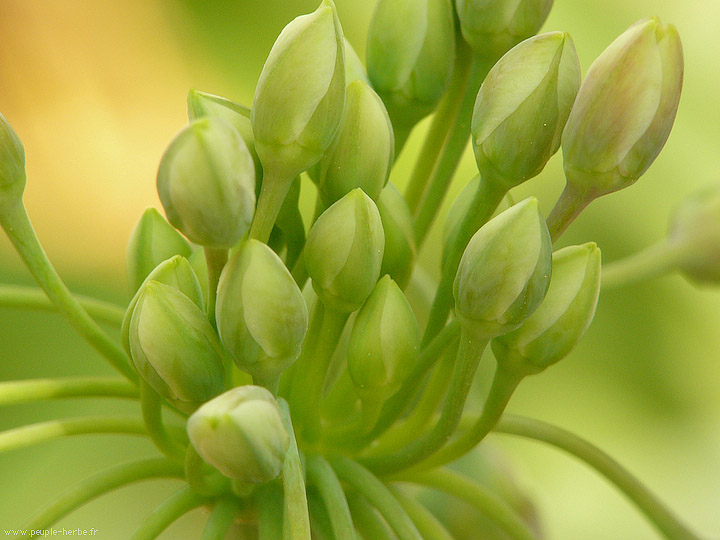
{"x": 344, "y": 252}
{"x": 300, "y": 94}
{"x": 504, "y": 272}
{"x": 152, "y": 241}
{"x": 492, "y": 27}
{"x": 625, "y": 109}
{"x": 400, "y": 249}
{"x": 206, "y": 183}
{"x": 261, "y": 313}
{"x": 553, "y": 330}
{"x": 363, "y": 150}
{"x": 241, "y": 433}
{"x": 410, "y": 54}
{"x": 383, "y": 347}
{"x": 354, "y": 68}
{"x": 12, "y": 164}
{"x": 174, "y": 348}
{"x": 522, "y": 107}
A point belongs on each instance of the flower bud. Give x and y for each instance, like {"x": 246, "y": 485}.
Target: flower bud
{"x": 174, "y": 348}
{"x": 384, "y": 342}
{"x": 261, "y": 313}
{"x": 400, "y": 250}
{"x": 491, "y": 28}
{"x": 504, "y": 272}
{"x": 206, "y": 183}
{"x": 344, "y": 251}
{"x": 555, "y": 327}
{"x": 12, "y": 164}
{"x": 625, "y": 109}
{"x": 354, "y": 68}
{"x": 522, "y": 107}
{"x": 410, "y": 52}
{"x": 363, "y": 150}
{"x": 300, "y": 94}
{"x": 152, "y": 241}
{"x": 241, "y": 433}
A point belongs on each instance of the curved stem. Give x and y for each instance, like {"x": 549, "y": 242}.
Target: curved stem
{"x": 367, "y": 521}
{"x": 220, "y": 520}
{"x": 566, "y": 209}
{"x": 20, "y": 297}
{"x": 14, "y": 392}
{"x": 321, "y": 475}
{"x": 429, "y": 526}
{"x": 216, "y": 260}
{"x": 152, "y": 415}
{"x": 651, "y": 262}
{"x": 489, "y": 504}
{"x": 15, "y": 221}
{"x": 202, "y": 477}
{"x": 101, "y": 483}
{"x": 665, "y": 521}
{"x": 272, "y": 195}
{"x": 174, "y": 507}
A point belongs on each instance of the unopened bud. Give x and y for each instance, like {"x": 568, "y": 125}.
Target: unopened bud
{"x": 400, "y": 250}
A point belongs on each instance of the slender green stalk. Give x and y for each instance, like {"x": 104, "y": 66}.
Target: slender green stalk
{"x": 368, "y": 522}
{"x": 272, "y": 195}
{"x": 174, "y": 507}
{"x": 269, "y": 501}
{"x": 152, "y": 415}
{"x": 14, "y": 392}
{"x": 428, "y": 525}
{"x": 658, "y": 514}
{"x": 651, "y": 262}
{"x": 216, "y": 260}
{"x": 367, "y": 485}
{"x": 220, "y": 520}
{"x": 17, "y": 296}
{"x": 568, "y": 207}
{"x": 321, "y": 475}
{"x": 484, "y": 501}
{"x": 296, "y": 524}
{"x": 202, "y": 477}
{"x": 101, "y": 483}
{"x": 15, "y": 221}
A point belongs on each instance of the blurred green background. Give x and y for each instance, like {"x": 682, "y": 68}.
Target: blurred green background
{"x": 96, "y": 90}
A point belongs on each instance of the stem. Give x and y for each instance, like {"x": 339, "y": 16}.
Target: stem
{"x": 15, "y": 221}
{"x": 202, "y": 477}
{"x": 367, "y": 485}
{"x": 322, "y": 476}
{"x": 443, "y": 120}
{"x": 14, "y": 392}
{"x": 272, "y": 195}
{"x": 299, "y": 269}
{"x": 653, "y": 261}
{"x": 270, "y": 507}
{"x": 367, "y": 521}
{"x": 483, "y": 500}
{"x": 220, "y": 520}
{"x": 566, "y": 209}
{"x": 296, "y": 524}
{"x": 17, "y": 296}
{"x": 152, "y": 415}
{"x": 647, "y": 503}
{"x": 174, "y": 507}
{"x": 101, "y": 483}
{"x": 429, "y": 526}
{"x": 216, "y": 259}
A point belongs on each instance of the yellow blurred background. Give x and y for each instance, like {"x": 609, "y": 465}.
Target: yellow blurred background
{"x": 96, "y": 90}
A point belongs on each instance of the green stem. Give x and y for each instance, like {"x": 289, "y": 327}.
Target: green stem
{"x": 269, "y": 503}
{"x": 367, "y": 521}
{"x": 272, "y": 195}
{"x": 299, "y": 269}
{"x": 17, "y": 296}
{"x": 484, "y": 501}
{"x": 101, "y": 483}
{"x": 202, "y": 477}
{"x": 216, "y": 260}
{"x": 566, "y": 209}
{"x": 14, "y": 392}
{"x": 429, "y": 526}
{"x": 296, "y": 517}
{"x": 321, "y": 475}
{"x": 15, "y": 221}
{"x": 651, "y": 262}
{"x": 174, "y": 507}
{"x": 220, "y": 520}
{"x": 638, "y": 493}
{"x": 367, "y": 485}
{"x": 152, "y": 415}
{"x": 443, "y": 120}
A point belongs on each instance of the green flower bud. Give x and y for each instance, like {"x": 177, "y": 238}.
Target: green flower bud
{"x": 300, "y": 94}
{"x": 344, "y": 251}
{"x": 261, "y": 313}
{"x": 174, "y": 348}
{"x": 363, "y": 150}
{"x": 504, "y": 272}
{"x": 400, "y": 250}
{"x": 354, "y": 68}
{"x": 383, "y": 347}
{"x": 555, "y": 327}
{"x": 410, "y": 54}
{"x": 695, "y": 236}
{"x": 12, "y": 164}
{"x": 522, "y": 108}
{"x": 492, "y": 27}
{"x": 206, "y": 183}
{"x": 241, "y": 433}
{"x": 152, "y": 241}
{"x": 625, "y": 109}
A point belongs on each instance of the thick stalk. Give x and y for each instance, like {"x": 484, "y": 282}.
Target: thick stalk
{"x": 321, "y": 475}
{"x": 367, "y": 521}
{"x": 152, "y": 415}
{"x": 272, "y": 195}
{"x": 269, "y": 501}
{"x": 651, "y": 262}
{"x": 216, "y": 260}
{"x": 220, "y": 520}
{"x": 566, "y": 209}
{"x": 428, "y": 525}
{"x": 14, "y": 392}
{"x": 173, "y": 508}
